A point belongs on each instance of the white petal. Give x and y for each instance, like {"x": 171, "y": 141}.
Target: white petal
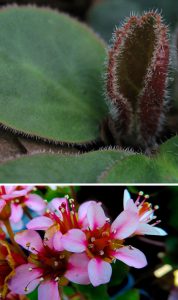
{"x": 126, "y": 197}
{"x": 144, "y": 228}
{"x": 99, "y": 271}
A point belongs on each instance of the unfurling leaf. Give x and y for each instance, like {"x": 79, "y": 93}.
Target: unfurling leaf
{"x": 137, "y": 79}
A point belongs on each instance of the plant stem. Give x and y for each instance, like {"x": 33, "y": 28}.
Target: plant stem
{"x": 11, "y": 236}
{"x": 152, "y": 242}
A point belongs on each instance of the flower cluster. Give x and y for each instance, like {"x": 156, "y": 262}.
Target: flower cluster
{"x": 66, "y": 242}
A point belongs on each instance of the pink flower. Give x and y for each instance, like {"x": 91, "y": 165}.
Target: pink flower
{"x": 145, "y": 214}
{"x": 103, "y": 243}
{"x": 61, "y": 216}
{"x": 46, "y": 268}
{"x": 19, "y": 197}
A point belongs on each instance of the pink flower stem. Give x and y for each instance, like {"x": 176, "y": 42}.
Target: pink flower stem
{"x": 11, "y": 236}
{"x": 152, "y": 242}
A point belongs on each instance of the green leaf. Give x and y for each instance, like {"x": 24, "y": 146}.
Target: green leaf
{"x": 161, "y": 168}
{"x": 55, "y": 168}
{"x": 110, "y": 166}
{"x": 50, "y": 79}
{"x": 93, "y": 293}
{"x": 119, "y": 272}
{"x": 33, "y": 295}
{"x": 130, "y": 295}
{"x": 68, "y": 290}
{"x": 108, "y": 14}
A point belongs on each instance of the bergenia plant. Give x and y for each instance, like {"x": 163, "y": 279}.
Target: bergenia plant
{"x": 70, "y": 245}
{"x": 62, "y": 86}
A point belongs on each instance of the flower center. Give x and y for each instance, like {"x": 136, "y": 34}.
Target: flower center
{"x": 101, "y": 243}
{"x": 53, "y": 263}
{"x": 67, "y": 218}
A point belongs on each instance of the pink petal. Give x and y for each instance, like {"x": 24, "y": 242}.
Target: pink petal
{"x": 17, "y": 226}
{"x": 40, "y": 223}
{"x": 12, "y": 193}
{"x": 131, "y": 207}
{"x": 77, "y": 269}
{"x": 82, "y": 212}
{"x": 96, "y": 216}
{"x": 74, "y": 240}
{"x": 28, "y": 188}
{"x": 126, "y": 197}
{"x": 56, "y": 202}
{"x": 144, "y": 217}
{"x": 35, "y": 202}
{"x": 10, "y": 188}
{"x": 48, "y": 290}
{"x": 131, "y": 256}
{"x": 57, "y": 241}
{"x": 29, "y": 239}
{"x": 2, "y": 204}
{"x": 25, "y": 278}
{"x": 16, "y": 213}
{"x": 99, "y": 271}
{"x": 124, "y": 225}
{"x": 144, "y": 228}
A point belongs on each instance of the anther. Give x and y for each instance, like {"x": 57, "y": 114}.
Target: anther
{"x": 28, "y": 245}
{"x": 101, "y": 252}
{"x": 17, "y": 201}
{"x": 56, "y": 279}
{"x": 93, "y": 239}
{"x": 30, "y": 269}
{"x": 66, "y": 196}
{"x": 26, "y": 289}
{"x": 41, "y": 279}
{"x": 141, "y": 193}
{"x": 147, "y": 196}
{"x": 61, "y": 256}
{"x": 156, "y": 207}
{"x": 56, "y": 263}
{"x": 90, "y": 246}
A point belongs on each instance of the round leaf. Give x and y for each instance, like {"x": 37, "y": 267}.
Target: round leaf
{"x": 50, "y": 79}
{"x": 161, "y": 168}
{"x": 45, "y": 168}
